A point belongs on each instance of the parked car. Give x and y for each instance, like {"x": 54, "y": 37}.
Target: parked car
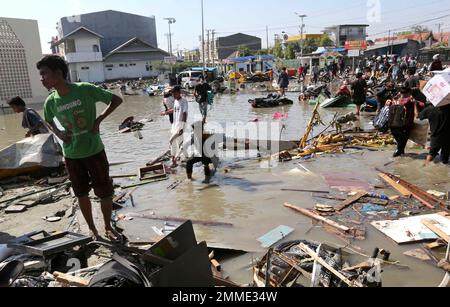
{"x": 189, "y": 79}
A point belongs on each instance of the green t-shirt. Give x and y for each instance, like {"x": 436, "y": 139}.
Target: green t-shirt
{"x": 77, "y": 114}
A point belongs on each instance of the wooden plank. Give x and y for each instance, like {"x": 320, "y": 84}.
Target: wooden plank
{"x": 306, "y": 191}
{"x": 433, "y": 226}
{"x": 418, "y": 254}
{"x": 70, "y": 280}
{"x": 434, "y": 245}
{"x": 323, "y": 263}
{"x": 350, "y": 201}
{"x": 318, "y": 217}
{"x": 402, "y": 190}
{"x": 216, "y": 265}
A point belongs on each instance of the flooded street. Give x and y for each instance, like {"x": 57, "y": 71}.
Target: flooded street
{"x": 249, "y": 196}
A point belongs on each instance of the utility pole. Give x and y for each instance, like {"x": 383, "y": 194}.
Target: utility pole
{"x": 302, "y": 27}
{"x": 171, "y": 21}
{"x": 389, "y": 43}
{"x": 213, "y": 32}
{"x": 439, "y": 25}
{"x": 208, "y": 45}
{"x": 267, "y": 37}
{"x": 168, "y": 42}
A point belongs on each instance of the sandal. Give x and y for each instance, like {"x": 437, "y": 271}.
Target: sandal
{"x": 94, "y": 237}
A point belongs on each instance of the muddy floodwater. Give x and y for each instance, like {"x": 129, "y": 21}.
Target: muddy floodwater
{"x": 247, "y": 195}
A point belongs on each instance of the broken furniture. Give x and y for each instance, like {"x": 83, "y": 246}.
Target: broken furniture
{"x": 157, "y": 171}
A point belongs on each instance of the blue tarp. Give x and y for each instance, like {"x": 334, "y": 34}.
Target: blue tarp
{"x": 206, "y": 68}
{"x": 251, "y": 58}
{"x": 322, "y": 50}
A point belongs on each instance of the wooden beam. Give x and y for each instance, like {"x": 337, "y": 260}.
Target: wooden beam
{"x": 432, "y": 226}
{"x": 323, "y": 263}
{"x": 350, "y": 201}
{"x": 70, "y": 280}
{"x": 402, "y": 190}
{"x": 318, "y": 217}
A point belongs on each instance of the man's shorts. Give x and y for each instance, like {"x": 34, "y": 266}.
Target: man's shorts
{"x": 90, "y": 173}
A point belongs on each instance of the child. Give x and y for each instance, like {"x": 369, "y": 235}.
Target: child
{"x": 31, "y": 121}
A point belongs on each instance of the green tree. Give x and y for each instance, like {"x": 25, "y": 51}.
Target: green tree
{"x": 310, "y": 45}
{"x": 289, "y": 53}
{"x": 245, "y": 51}
{"x": 262, "y": 52}
{"x": 325, "y": 41}
{"x": 278, "y": 50}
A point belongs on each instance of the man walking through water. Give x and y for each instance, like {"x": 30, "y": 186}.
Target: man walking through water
{"x": 201, "y": 95}
{"x": 74, "y": 106}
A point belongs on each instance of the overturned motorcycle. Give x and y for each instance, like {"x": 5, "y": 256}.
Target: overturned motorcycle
{"x": 271, "y": 101}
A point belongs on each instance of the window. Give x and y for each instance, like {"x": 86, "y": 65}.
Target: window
{"x": 85, "y": 68}
{"x": 109, "y": 69}
{"x": 132, "y": 64}
{"x": 120, "y": 65}
{"x": 109, "y": 65}
{"x": 96, "y": 48}
{"x": 361, "y": 31}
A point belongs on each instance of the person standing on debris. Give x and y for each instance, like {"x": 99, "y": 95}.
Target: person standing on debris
{"x": 439, "y": 119}
{"x": 315, "y": 72}
{"x": 359, "y": 88}
{"x": 402, "y": 113}
{"x": 168, "y": 102}
{"x": 283, "y": 81}
{"x": 181, "y": 108}
{"x": 201, "y": 95}
{"x": 74, "y": 106}
{"x": 301, "y": 70}
{"x": 436, "y": 65}
{"x": 31, "y": 120}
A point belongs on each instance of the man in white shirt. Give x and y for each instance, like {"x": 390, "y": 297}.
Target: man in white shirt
{"x": 181, "y": 108}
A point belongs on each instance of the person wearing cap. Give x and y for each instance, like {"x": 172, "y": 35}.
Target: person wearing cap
{"x": 437, "y": 63}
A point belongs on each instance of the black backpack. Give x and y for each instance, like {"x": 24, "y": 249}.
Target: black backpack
{"x": 397, "y": 116}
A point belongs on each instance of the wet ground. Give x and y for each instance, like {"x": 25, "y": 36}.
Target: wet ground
{"x": 247, "y": 195}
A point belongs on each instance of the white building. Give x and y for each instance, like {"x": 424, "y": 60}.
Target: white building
{"x": 132, "y": 60}
{"x": 81, "y": 48}
{"x": 20, "y": 50}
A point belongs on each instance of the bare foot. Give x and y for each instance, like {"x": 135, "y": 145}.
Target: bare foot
{"x": 112, "y": 235}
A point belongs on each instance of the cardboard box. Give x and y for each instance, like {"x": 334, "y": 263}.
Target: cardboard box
{"x": 437, "y": 89}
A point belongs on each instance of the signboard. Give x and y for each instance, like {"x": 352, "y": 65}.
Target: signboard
{"x": 170, "y": 60}
{"x": 356, "y": 45}
{"x": 354, "y": 53}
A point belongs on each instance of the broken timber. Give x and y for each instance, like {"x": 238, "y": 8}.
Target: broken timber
{"x": 70, "y": 280}
{"x": 318, "y": 218}
{"x": 350, "y": 201}
{"x": 432, "y": 226}
{"x": 406, "y": 187}
{"x": 179, "y": 220}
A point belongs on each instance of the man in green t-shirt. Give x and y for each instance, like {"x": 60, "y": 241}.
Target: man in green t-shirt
{"x": 74, "y": 106}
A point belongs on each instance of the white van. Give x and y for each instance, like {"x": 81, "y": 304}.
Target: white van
{"x": 189, "y": 79}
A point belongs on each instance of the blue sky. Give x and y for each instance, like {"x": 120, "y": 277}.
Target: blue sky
{"x": 248, "y": 16}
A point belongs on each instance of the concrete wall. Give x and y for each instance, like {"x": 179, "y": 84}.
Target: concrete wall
{"x": 116, "y": 27}
{"x": 28, "y": 33}
{"x": 141, "y": 56}
{"x": 95, "y": 72}
{"x": 129, "y": 70}
{"x": 85, "y": 42}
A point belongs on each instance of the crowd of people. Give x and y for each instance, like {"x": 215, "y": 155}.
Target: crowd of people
{"x": 74, "y": 107}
